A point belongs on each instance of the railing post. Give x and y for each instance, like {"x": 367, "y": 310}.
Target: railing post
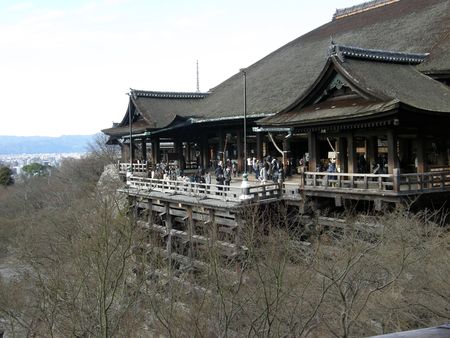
{"x": 245, "y": 186}
{"x": 396, "y": 179}
{"x": 302, "y": 177}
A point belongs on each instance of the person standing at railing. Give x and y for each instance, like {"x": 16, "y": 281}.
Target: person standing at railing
{"x": 227, "y": 176}
{"x": 332, "y": 169}
{"x": 263, "y": 173}
{"x": 220, "y": 178}
{"x": 207, "y": 179}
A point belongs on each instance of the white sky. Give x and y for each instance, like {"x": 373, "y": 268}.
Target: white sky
{"x": 66, "y": 65}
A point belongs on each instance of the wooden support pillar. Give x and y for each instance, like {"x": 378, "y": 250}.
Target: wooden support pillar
{"x": 259, "y": 146}
{"x": 220, "y": 154}
{"x": 213, "y": 228}
{"x": 125, "y": 152}
{"x": 204, "y": 151}
{"x": 168, "y": 232}
{"x": 133, "y": 150}
{"x": 392, "y": 151}
{"x": 342, "y": 155}
{"x": 287, "y": 151}
{"x": 419, "y": 161}
{"x": 240, "y": 150}
{"x": 190, "y": 231}
{"x": 156, "y": 153}
{"x": 442, "y": 151}
{"x": 178, "y": 147}
{"x": 351, "y": 153}
{"x": 313, "y": 150}
{"x": 144, "y": 149}
{"x": 372, "y": 151}
{"x": 150, "y": 212}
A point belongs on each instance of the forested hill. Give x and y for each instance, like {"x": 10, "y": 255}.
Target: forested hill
{"x": 44, "y": 144}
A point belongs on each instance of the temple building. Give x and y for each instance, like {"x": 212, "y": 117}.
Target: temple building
{"x": 367, "y": 92}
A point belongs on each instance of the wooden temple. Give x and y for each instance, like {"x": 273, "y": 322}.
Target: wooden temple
{"x": 373, "y": 104}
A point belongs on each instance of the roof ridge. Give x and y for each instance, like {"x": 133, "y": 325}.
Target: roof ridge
{"x": 377, "y": 54}
{"x": 363, "y": 7}
{"x": 167, "y": 95}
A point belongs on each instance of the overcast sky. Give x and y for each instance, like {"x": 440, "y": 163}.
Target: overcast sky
{"x": 66, "y": 65}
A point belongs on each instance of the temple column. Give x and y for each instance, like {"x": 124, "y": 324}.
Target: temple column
{"x": 156, "y": 153}
{"x": 372, "y": 149}
{"x": 352, "y": 158}
{"x": 240, "y": 150}
{"x": 287, "y": 151}
{"x": 419, "y": 161}
{"x": 177, "y": 146}
{"x": 442, "y": 148}
{"x": 259, "y": 146}
{"x": 220, "y": 154}
{"x": 342, "y": 155}
{"x": 144, "y": 149}
{"x": 125, "y": 152}
{"x": 313, "y": 150}
{"x": 392, "y": 151}
{"x": 133, "y": 151}
{"x": 204, "y": 149}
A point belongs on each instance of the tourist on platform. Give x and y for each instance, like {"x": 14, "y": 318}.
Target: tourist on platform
{"x": 249, "y": 165}
{"x": 220, "y": 177}
{"x": 332, "y": 169}
{"x": 257, "y": 169}
{"x": 227, "y": 176}
{"x": 263, "y": 177}
{"x": 234, "y": 168}
{"x": 207, "y": 181}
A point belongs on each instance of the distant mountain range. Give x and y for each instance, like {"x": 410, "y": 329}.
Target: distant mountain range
{"x": 44, "y": 144}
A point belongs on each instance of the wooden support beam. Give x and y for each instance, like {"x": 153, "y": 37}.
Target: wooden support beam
{"x": 156, "y": 153}
{"x": 168, "y": 231}
{"x": 240, "y": 149}
{"x": 190, "y": 230}
{"x": 313, "y": 150}
{"x": 420, "y": 155}
{"x": 204, "y": 150}
{"x": 178, "y": 145}
{"x": 392, "y": 151}
{"x": 144, "y": 149}
{"x": 342, "y": 155}
{"x": 221, "y": 145}
{"x": 372, "y": 151}
{"x": 259, "y": 146}
{"x": 352, "y": 158}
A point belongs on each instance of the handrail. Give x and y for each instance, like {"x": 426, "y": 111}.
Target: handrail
{"x": 137, "y": 167}
{"x": 347, "y": 181}
{"x": 425, "y": 182}
{"x": 202, "y": 190}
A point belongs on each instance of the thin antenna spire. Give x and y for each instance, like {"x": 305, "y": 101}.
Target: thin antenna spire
{"x": 198, "y": 80}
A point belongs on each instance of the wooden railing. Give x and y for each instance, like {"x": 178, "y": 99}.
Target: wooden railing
{"x": 347, "y": 181}
{"x": 391, "y": 184}
{"x": 425, "y": 182}
{"x": 395, "y": 183}
{"x": 203, "y": 190}
{"x": 140, "y": 168}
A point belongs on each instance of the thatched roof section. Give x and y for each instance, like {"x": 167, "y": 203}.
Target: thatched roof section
{"x": 280, "y": 78}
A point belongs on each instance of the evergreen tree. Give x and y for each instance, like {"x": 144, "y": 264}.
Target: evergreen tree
{"x": 6, "y": 176}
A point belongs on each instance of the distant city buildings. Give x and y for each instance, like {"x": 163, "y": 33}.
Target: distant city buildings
{"x": 17, "y": 161}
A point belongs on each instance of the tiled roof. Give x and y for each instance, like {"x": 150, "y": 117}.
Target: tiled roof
{"x": 412, "y": 28}
{"x": 366, "y": 6}
{"x": 167, "y": 95}
{"x": 379, "y": 55}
